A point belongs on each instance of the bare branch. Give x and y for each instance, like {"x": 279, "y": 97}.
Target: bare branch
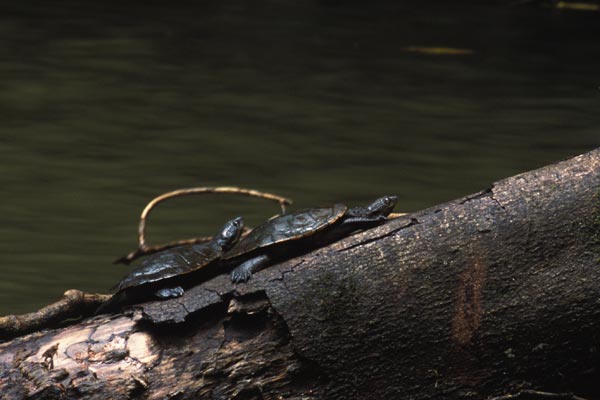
{"x": 145, "y": 249}
{"x": 74, "y": 303}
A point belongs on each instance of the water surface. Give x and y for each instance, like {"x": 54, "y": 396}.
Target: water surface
{"x": 105, "y": 106}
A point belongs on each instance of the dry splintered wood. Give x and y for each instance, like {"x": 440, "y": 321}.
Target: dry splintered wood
{"x": 491, "y": 296}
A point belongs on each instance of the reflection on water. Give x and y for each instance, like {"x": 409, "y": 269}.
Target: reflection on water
{"x": 105, "y": 106}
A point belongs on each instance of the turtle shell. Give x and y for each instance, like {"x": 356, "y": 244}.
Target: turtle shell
{"x": 167, "y": 264}
{"x": 288, "y": 227}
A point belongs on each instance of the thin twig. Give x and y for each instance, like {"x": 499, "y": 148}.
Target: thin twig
{"x": 145, "y": 249}
{"x": 396, "y": 215}
{"x": 283, "y": 202}
{"x": 538, "y": 395}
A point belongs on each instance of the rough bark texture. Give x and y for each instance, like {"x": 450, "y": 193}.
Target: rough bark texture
{"x": 492, "y": 294}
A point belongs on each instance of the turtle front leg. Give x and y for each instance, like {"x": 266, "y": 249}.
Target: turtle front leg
{"x": 243, "y": 271}
{"x": 167, "y": 293}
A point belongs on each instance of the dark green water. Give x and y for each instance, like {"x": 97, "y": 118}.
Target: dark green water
{"x": 104, "y": 106}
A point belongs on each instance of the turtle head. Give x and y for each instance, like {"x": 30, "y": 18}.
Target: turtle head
{"x": 382, "y": 207}
{"x": 229, "y": 234}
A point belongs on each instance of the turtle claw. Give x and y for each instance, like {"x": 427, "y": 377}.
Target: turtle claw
{"x": 167, "y": 293}
{"x": 240, "y": 275}
{"x": 244, "y": 271}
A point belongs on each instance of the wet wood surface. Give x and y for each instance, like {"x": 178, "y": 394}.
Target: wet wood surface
{"x": 495, "y": 294}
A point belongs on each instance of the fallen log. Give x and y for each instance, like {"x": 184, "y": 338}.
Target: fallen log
{"x": 491, "y": 296}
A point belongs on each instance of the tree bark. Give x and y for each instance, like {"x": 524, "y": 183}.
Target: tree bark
{"x": 493, "y": 295}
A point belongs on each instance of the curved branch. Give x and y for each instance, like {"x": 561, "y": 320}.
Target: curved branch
{"x": 145, "y": 249}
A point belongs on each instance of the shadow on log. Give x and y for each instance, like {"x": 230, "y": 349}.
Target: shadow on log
{"x": 491, "y": 296}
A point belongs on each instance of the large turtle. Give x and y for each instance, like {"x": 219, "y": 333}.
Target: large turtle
{"x": 162, "y": 274}
{"x": 290, "y": 234}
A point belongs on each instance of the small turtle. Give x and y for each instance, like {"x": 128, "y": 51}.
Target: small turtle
{"x": 290, "y": 234}
{"x": 162, "y": 273}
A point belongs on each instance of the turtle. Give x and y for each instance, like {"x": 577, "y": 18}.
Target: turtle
{"x": 290, "y": 234}
{"x": 162, "y": 274}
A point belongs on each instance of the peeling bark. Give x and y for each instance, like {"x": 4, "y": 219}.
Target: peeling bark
{"x": 490, "y": 296}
